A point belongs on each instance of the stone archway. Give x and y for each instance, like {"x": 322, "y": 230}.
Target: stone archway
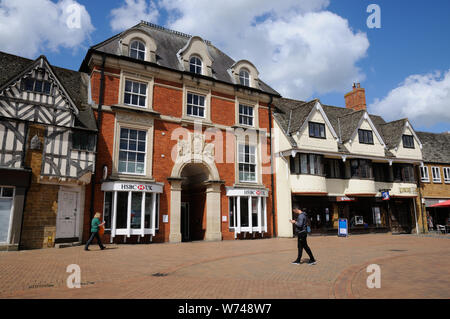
{"x": 195, "y": 162}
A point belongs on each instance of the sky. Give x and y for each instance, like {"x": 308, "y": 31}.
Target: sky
{"x": 304, "y": 49}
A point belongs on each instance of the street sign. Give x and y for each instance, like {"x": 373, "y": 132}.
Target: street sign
{"x": 343, "y": 227}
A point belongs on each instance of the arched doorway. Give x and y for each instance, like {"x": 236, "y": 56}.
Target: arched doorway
{"x": 193, "y": 202}
{"x": 195, "y": 199}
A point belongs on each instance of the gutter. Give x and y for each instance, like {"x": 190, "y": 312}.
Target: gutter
{"x": 99, "y": 128}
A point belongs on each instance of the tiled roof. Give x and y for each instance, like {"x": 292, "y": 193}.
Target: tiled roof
{"x": 169, "y": 43}
{"x": 75, "y": 83}
{"x": 436, "y": 147}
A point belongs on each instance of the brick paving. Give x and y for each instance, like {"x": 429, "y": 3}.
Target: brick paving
{"x": 411, "y": 267}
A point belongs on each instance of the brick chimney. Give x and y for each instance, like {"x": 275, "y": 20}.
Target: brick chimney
{"x": 356, "y": 99}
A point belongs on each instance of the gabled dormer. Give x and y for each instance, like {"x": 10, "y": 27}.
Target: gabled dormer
{"x": 311, "y": 128}
{"x": 244, "y": 73}
{"x": 403, "y": 141}
{"x": 137, "y": 44}
{"x": 194, "y": 57}
{"x": 360, "y": 135}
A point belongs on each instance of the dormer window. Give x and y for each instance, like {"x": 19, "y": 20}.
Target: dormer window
{"x": 244, "y": 77}
{"x": 408, "y": 141}
{"x": 195, "y": 65}
{"x": 365, "y": 137}
{"x": 137, "y": 50}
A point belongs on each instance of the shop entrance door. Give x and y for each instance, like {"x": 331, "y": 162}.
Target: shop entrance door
{"x": 401, "y": 221}
{"x": 66, "y": 221}
{"x": 5, "y": 217}
{"x": 185, "y": 235}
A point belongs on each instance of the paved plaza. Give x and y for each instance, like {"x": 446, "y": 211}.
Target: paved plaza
{"x": 411, "y": 267}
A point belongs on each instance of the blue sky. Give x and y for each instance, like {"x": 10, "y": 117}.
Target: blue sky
{"x": 404, "y": 66}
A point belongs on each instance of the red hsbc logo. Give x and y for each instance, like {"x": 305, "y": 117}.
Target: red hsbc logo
{"x": 258, "y": 192}
{"x": 141, "y": 187}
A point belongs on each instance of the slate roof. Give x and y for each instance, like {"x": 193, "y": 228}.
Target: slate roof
{"x": 168, "y": 44}
{"x": 75, "y": 83}
{"x": 436, "y": 147}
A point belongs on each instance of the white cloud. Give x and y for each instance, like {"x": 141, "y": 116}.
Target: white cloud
{"x": 131, "y": 13}
{"x": 28, "y": 27}
{"x": 299, "y": 48}
{"x": 424, "y": 99}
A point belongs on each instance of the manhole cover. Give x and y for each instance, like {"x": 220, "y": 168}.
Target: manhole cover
{"x": 158, "y": 274}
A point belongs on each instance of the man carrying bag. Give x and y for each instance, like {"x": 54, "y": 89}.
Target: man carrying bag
{"x": 301, "y": 230}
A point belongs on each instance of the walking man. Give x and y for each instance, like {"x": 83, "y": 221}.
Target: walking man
{"x": 301, "y": 232}
{"x": 95, "y": 224}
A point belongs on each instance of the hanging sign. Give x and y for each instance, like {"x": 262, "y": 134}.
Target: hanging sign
{"x": 385, "y": 195}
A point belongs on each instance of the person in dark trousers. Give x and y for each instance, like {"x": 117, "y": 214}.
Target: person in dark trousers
{"x": 301, "y": 232}
{"x": 95, "y": 224}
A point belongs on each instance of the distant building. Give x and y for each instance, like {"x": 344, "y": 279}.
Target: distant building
{"x": 435, "y": 176}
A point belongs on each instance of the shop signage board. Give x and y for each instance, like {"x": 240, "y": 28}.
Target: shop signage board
{"x": 345, "y": 199}
{"x": 133, "y": 187}
{"x": 343, "y": 227}
{"x": 247, "y": 192}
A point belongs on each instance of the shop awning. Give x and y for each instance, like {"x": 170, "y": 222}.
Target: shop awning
{"x": 442, "y": 204}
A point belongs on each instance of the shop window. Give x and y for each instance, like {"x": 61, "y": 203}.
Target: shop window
{"x": 361, "y": 168}
{"x": 135, "y": 93}
{"x": 195, "y": 105}
{"x": 424, "y": 174}
{"x": 404, "y": 173}
{"x": 134, "y": 200}
{"x": 316, "y": 130}
{"x": 246, "y": 115}
{"x": 83, "y": 141}
{"x": 6, "y": 192}
{"x": 247, "y": 163}
{"x": 408, "y": 141}
{"x": 365, "y": 137}
{"x": 436, "y": 174}
{"x": 307, "y": 164}
{"x": 132, "y": 151}
{"x": 247, "y": 213}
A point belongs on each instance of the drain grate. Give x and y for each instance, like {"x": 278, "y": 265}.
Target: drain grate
{"x": 158, "y": 274}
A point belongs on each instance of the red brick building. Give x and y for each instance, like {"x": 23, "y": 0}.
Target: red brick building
{"x": 184, "y": 142}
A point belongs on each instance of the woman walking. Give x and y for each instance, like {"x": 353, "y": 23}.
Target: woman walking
{"x": 95, "y": 224}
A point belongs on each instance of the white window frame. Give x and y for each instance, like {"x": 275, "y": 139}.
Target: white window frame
{"x": 197, "y": 67}
{"x": 446, "y": 174}
{"x": 243, "y": 80}
{"x": 139, "y": 94}
{"x": 247, "y": 116}
{"x": 234, "y": 209}
{"x": 255, "y": 163}
{"x": 424, "y": 176}
{"x": 198, "y": 106}
{"x": 8, "y": 238}
{"x": 436, "y": 177}
{"x": 138, "y": 50}
{"x": 128, "y": 231}
{"x": 124, "y": 127}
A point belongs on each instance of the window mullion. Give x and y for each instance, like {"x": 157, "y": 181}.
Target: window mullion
{"x": 153, "y": 217}
{"x": 143, "y": 213}
{"x": 129, "y": 214}
{"x": 250, "y": 214}
{"x": 114, "y": 217}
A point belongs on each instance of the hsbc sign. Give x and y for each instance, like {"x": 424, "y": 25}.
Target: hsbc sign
{"x": 247, "y": 192}
{"x": 132, "y": 187}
